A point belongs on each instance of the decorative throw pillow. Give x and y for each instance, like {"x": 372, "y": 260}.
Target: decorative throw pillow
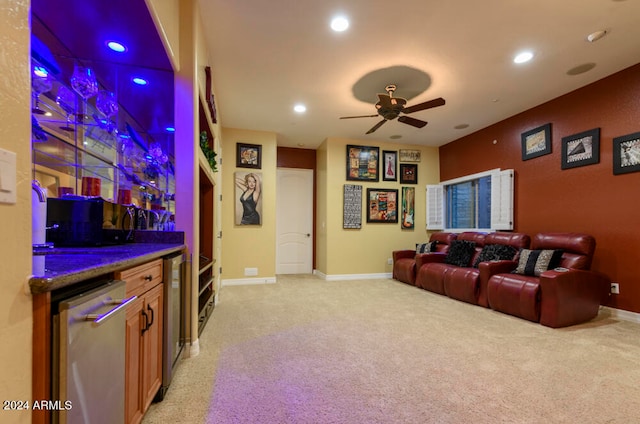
{"x": 495, "y": 252}
{"x": 535, "y": 262}
{"x": 460, "y": 253}
{"x": 426, "y": 247}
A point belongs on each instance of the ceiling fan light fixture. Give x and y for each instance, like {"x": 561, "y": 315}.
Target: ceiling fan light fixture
{"x": 339, "y": 24}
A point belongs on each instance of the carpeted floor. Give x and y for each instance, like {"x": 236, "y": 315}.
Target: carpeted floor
{"x": 305, "y": 350}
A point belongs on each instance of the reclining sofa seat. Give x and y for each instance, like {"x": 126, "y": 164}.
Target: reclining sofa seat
{"x": 555, "y": 298}
{"x": 404, "y": 261}
{"x": 469, "y": 284}
{"x": 431, "y": 268}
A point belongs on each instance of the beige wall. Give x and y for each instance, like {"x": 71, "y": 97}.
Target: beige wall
{"x": 248, "y": 246}
{"x": 166, "y": 15}
{"x": 15, "y": 219}
{"x": 366, "y": 250}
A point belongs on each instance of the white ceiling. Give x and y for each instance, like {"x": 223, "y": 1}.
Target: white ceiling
{"x": 269, "y": 55}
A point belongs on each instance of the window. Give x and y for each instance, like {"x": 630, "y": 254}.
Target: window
{"x": 482, "y": 201}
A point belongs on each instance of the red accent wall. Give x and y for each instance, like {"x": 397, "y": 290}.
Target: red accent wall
{"x": 587, "y": 199}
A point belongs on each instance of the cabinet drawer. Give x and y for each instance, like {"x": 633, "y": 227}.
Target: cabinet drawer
{"x": 142, "y": 278}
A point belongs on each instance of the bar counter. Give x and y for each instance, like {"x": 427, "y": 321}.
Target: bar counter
{"x": 61, "y": 267}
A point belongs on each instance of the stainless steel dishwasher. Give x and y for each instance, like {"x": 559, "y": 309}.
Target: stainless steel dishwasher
{"x": 174, "y": 277}
{"x": 89, "y": 355}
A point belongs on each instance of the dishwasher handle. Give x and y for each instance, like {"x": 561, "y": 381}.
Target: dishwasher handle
{"x": 101, "y": 318}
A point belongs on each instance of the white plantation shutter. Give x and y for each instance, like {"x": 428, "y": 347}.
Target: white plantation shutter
{"x": 502, "y": 200}
{"x": 435, "y": 204}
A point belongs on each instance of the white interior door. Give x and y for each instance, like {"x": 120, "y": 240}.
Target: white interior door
{"x": 294, "y": 221}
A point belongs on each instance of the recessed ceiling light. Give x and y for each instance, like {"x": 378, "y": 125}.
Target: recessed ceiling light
{"x": 461, "y": 126}
{"x": 523, "y": 57}
{"x": 395, "y": 137}
{"x": 116, "y": 46}
{"x": 140, "y": 81}
{"x": 170, "y": 129}
{"x": 300, "y": 108}
{"x": 339, "y": 23}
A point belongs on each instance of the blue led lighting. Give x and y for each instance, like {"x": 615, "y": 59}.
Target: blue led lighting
{"x": 170, "y": 129}
{"x": 140, "y": 81}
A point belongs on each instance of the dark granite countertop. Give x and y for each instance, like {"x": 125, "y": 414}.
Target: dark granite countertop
{"x": 62, "y": 267}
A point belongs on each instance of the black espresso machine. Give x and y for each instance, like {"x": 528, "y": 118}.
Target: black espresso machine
{"x": 89, "y": 221}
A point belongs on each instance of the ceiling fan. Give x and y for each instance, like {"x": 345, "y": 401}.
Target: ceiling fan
{"x": 390, "y": 108}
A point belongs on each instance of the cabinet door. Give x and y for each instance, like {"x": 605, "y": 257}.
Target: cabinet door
{"x": 133, "y": 360}
{"x": 152, "y": 345}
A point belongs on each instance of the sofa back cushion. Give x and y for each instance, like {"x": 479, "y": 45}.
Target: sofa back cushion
{"x": 443, "y": 239}
{"x": 460, "y": 253}
{"x": 426, "y": 247}
{"x": 577, "y": 248}
{"x": 517, "y": 240}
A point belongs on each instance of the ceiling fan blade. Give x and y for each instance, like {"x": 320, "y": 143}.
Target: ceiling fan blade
{"x": 412, "y": 121}
{"x": 376, "y": 126}
{"x": 426, "y": 105}
{"x": 361, "y": 116}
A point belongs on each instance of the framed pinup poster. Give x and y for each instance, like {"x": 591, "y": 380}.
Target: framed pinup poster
{"x": 382, "y": 205}
{"x": 248, "y": 198}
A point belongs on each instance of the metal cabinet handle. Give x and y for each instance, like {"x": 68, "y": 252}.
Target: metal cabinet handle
{"x": 100, "y": 318}
{"x": 148, "y": 277}
{"x": 152, "y": 315}
{"x": 146, "y": 322}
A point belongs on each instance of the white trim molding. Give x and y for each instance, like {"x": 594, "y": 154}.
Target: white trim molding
{"x": 621, "y": 314}
{"x": 248, "y": 281}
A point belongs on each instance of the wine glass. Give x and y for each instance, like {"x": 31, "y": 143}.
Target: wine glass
{"x": 41, "y": 82}
{"x": 84, "y": 82}
{"x": 107, "y": 104}
{"x": 66, "y": 99}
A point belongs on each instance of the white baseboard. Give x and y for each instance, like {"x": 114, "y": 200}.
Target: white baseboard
{"x": 194, "y": 348}
{"x": 338, "y": 277}
{"x": 248, "y": 281}
{"x": 621, "y": 314}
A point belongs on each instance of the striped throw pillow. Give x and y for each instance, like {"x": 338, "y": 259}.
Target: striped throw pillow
{"x": 535, "y": 262}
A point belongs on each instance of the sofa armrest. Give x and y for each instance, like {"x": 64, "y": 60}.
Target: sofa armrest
{"x": 487, "y": 269}
{"x": 403, "y": 254}
{"x": 571, "y": 297}
{"x": 424, "y": 258}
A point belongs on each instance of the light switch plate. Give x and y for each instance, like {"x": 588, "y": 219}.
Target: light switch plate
{"x": 8, "y": 186}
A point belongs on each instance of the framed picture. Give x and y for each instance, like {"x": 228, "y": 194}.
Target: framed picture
{"x": 248, "y": 155}
{"x": 248, "y": 198}
{"x": 209, "y": 95}
{"x": 382, "y": 205}
{"x": 408, "y": 207}
{"x": 408, "y": 173}
{"x": 409, "y": 155}
{"x": 581, "y": 149}
{"x": 536, "y": 142}
{"x": 390, "y": 165}
{"x": 626, "y": 154}
{"x": 362, "y": 163}
{"x": 352, "y": 206}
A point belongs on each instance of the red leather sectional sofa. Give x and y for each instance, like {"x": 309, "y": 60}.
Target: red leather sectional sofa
{"x": 566, "y": 295}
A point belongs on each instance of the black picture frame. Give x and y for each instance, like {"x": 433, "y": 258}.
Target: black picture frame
{"x": 382, "y": 205}
{"x": 408, "y": 173}
{"x": 209, "y": 97}
{"x": 363, "y": 163}
{"x": 581, "y": 149}
{"x": 626, "y": 154}
{"x": 248, "y": 155}
{"x": 389, "y": 165}
{"x": 536, "y": 142}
